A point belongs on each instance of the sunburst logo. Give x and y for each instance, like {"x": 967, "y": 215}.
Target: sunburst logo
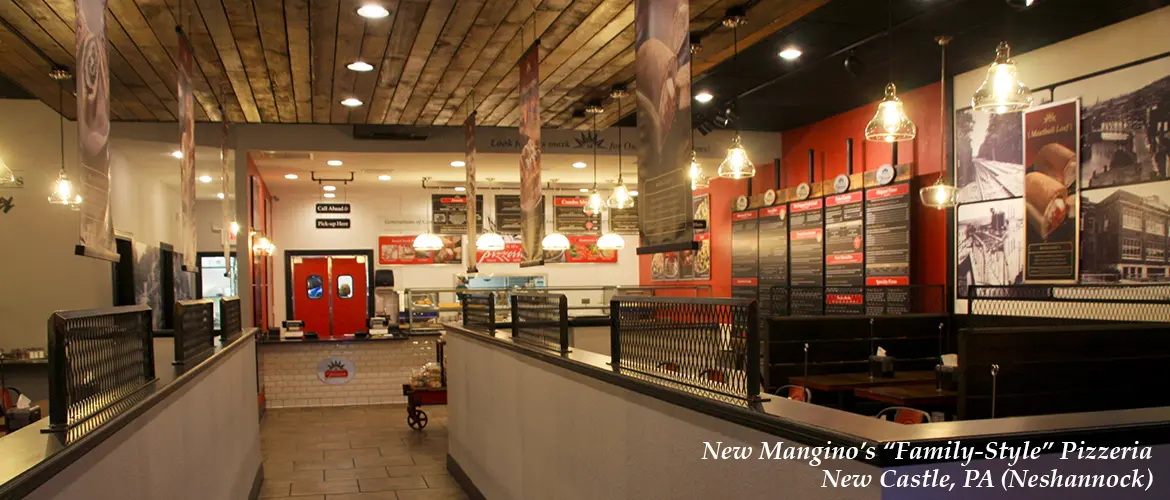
{"x": 336, "y": 369}
{"x": 1050, "y": 118}
{"x": 589, "y": 139}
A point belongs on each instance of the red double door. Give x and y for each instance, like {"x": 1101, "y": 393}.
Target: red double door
{"x": 330, "y": 294}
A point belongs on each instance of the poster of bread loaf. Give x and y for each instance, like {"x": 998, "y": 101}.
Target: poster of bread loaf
{"x": 1051, "y": 192}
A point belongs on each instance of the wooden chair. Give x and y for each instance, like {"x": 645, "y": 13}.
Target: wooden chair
{"x": 905, "y": 415}
{"x": 795, "y": 393}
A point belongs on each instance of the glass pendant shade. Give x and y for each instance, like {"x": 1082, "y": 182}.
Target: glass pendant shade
{"x": 63, "y": 193}
{"x": 737, "y": 165}
{"x": 620, "y": 198}
{"x": 699, "y": 180}
{"x": 595, "y": 204}
{"x": 890, "y": 124}
{"x": 235, "y": 228}
{"x": 6, "y": 175}
{"x": 490, "y": 242}
{"x": 611, "y": 241}
{"x": 263, "y": 246}
{"x": 554, "y": 242}
{"x": 1002, "y": 91}
{"x": 427, "y": 242}
{"x": 939, "y": 196}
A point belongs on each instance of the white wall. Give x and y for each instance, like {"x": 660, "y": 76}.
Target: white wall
{"x": 37, "y": 239}
{"x": 208, "y": 221}
{"x": 399, "y": 212}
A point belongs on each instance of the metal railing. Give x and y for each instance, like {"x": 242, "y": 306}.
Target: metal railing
{"x": 194, "y": 330}
{"x": 862, "y": 300}
{"x": 479, "y": 311}
{"x": 229, "y": 314}
{"x": 709, "y": 347}
{"x": 541, "y": 319}
{"x": 1114, "y": 302}
{"x": 97, "y": 358}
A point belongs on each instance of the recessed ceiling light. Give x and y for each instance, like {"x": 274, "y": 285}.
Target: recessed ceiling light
{"x": 351, "y": 102}
{"x": 219, "y": 195}
{"x": 330, "y": 195}
{"x": 177, "y": 154}
{"x": 383, "y": 177}
{"x": 206, "y": 179}
{"x": 334, "y": 163}
{"x": 790, "y": 53}
{"x": 373, "y": 11}
{"x": 580, "y": 164}
{"x": 584, "y": 190}
{"x": 460, "y": 189}
{"x": 359, "y": 66}
{"x": 633, "y": 192}
{"x": 704, "y": 96}
{"x": 458, "y": 164}
{"x": 291, "y": 177}
{"x": 330, "y": 188}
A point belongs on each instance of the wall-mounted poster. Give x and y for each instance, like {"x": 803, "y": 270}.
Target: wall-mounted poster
{"x": 148, "y": 279}
{"x": 990, "y": 244}
{"x": 1125, "y": 124}
{"x": 582, "y": 248}
{"x": 399, "y": 250}
{"x": 570, "y": 218}
{"x": 508, "y": 214}
{"x": 1124, "y": 234}
{"x": 989, "y": 155}
{"x": 449, "y": 214}
{"x": 701, "y": 262}
{"x": 624, "y": 220}
{"x": 1052, "y": 157}
{"x": 701, "y": 205}
{"x": 664, "y": 266}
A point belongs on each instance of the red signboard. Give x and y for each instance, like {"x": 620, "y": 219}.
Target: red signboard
{"x": 582, "y": 249}
{"x": 399, "y": 250}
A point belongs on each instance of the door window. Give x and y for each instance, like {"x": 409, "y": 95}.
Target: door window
{"x": 345, "y": 286}
{"x": 316, "y": 286}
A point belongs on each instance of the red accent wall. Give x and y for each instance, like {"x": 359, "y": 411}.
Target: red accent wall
{"x": 259, "y": 220}
{"x": 827, "y": 138}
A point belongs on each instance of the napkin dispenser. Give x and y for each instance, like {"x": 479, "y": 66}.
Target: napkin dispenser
{"x": 946, "y": 377}
{"x": 881, "y": 365}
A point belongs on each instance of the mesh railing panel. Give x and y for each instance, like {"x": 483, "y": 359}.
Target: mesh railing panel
{"x": 541, "y": 319}
{"x": 859, "y": 300}
{"x": 709, "y": 347}
{"x": 96, "y": 359}
{"x": 194, "y": 330}
{"x": 1087, "y": 302}
{"x": 479, "y": 311}
{"x": 229, "y": 313}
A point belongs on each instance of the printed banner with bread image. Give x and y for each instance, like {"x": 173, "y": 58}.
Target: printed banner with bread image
{"x": 1051, "y": 192}
{"x": 399, "y": 250}
{"x": 531, "y": 203}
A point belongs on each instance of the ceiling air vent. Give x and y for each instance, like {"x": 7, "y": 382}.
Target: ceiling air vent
{"x": 389, "y": 133}
{"x": 286, "y": 155}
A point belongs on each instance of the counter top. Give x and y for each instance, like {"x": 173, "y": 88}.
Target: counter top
{"x": 327, "y": 341}
{"x": 30, "y": 457}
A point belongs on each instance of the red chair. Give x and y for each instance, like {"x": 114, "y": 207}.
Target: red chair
{"x": 795, "y": 393}
{"x": 904, "y": 415}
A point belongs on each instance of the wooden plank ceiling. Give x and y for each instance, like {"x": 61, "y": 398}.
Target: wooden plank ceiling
{"x": 284, "y": 61}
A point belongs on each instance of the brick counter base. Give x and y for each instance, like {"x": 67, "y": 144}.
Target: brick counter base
{"x": 288, "y": 373}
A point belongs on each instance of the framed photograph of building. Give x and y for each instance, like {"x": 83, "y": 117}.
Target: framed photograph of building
{"x": 1125, "y": 124}
{"x": 989, "y": 155}
{"x": 990, "y": 244}
{"x": 1124, "y": 235}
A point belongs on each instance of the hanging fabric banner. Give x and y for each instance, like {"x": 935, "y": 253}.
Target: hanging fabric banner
{"x": 187, "y": 162}
{"x": 469, "y": 169}
{"x": 93, "y": 131}
{"x": 663, "y": 59}
{"x": 227, "y": 235}
{"x": 531, "y": 208}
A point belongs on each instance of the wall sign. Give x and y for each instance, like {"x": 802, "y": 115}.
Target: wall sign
{"x": 806, "y": 254}
{"x": 773, "y": 256}
{"x": 624, "y": 220}
{"x": 6, "y": 204}
{"x": 570, "y": 217}
{"x": 333, "y": 208}
{"x": 399, "y": 250}
{"x": 745, "y": 263}
{"x": 336, "y": 371}
{"x": 332, "y": 223}
{"x": 449, "y": 214}
{"x": 1052, "y": 161}
{"x": 508, "y": 214}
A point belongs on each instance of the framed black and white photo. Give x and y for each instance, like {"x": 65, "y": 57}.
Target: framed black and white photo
{"x": 989, "y": 155}
{"x": 990, "y": 244}
{"x": 1124, "y": 235}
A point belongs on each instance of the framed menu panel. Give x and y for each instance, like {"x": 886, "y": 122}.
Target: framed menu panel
{"x": 773, "y": 258}
{"x": 745, "y": 264}
{"x": 449, "y": 214}
{"x": 806, "y": 255}
{"x": 508, "y": 214}
{"x": 624, "y": 220}
{"x": 570, "y": 218}
{"x": 844, "y": 256}
{"x": 887, "y": 248}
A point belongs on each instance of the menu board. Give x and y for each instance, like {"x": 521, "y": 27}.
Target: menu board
{"x": 508, "y": 214}
{"x": 773, "y": 222}
{"x": 399, "y": 250}
{"x": 745, "y": 263}
{"x": 887, "y": 248}
{"x": 844, "y": 258}
{"x": 624, "y": 220}
{"x": 570, "y": 218}
{"x": 806, "y": 252}
{"x": 449, "y": 214}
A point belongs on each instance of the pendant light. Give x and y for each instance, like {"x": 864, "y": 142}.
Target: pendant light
{"x": 64, "y": 192}
{"x": 611, "y": 241}
{"x": 427, "y": 241}
{"x": 1002, "y": 91}
{"x": 554, "y": 241}
{"x": 737, "y": 165}
{"x": 941, "y": 195}
{"x": 699, "y": 180}
{"x": 620, "y": 197}
{"x": 595, "y": 204}
{"x": 890, "y": 124}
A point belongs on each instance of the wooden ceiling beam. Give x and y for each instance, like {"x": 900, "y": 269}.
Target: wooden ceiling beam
{"x": 323, "y": 30}
{"x": 275, "y": 46}
{"x": 210, "y": 65}
{"x": 220, "y": 32}
{"x": 151, "y": 24}
{"x": 241, "y": 18}
{"x": 605, "y": 79}
{"x": 456, "y": 30}
{"x": 373, "y": 51}
{"x": 296, "y": 13}
{"x": 407, "y": 22}
{"x": 618, "y": 53}
{"x": 351, "y": 32}
{"x": 424, "y": 44}
{"x": 21, "y": 65}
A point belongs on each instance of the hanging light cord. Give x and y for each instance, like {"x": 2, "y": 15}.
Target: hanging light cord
{"x": 890, "y": 36}
{"x": 595, "y": 151}
{"x": 619, "y": 105}
{"x": 735, "y": 102}
{"x": 61, "y": 113}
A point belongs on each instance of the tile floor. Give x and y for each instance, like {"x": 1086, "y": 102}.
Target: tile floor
{"x": 355, "y": 453}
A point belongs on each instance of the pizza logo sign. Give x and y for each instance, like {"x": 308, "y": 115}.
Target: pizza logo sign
{"x": 335, "y": 371}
